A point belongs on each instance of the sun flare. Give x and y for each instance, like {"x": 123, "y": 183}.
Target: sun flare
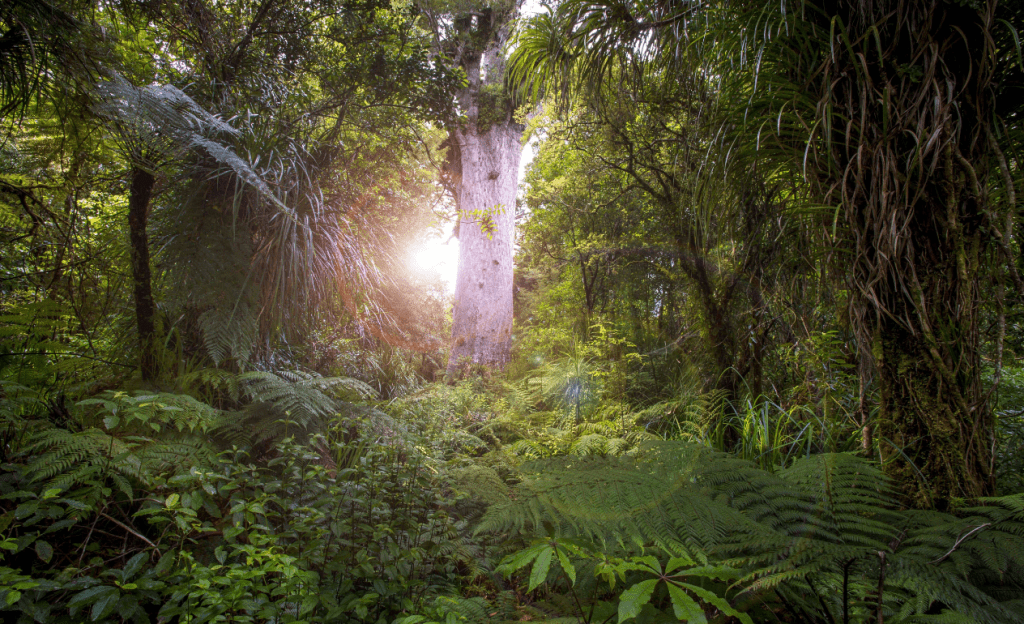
{"x": 437, "y": 257}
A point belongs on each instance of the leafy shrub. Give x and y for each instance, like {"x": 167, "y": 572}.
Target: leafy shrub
{"x": 327, "y": 532}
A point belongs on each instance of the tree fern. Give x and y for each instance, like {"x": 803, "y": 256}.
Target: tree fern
{"x": 210, "y": 257}
{"x": 819, "y": 538}
{"x": 481, "y": 482}
{"x": 634, "y": 498}
{"x": 157, "y": 123}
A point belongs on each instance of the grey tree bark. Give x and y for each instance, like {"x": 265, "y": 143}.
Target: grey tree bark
{"x": 489, "y": 147}
{"x": 482, "y": 317}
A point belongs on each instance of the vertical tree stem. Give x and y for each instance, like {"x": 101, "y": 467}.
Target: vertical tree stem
{"x": 140, "y": 194}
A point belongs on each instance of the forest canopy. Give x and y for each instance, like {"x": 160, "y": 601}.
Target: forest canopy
{"x": 744, "y": 345}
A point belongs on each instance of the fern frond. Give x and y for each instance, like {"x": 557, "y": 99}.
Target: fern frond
{"x": 824, "y": 531}
{"x": 481, "y": 482}
{"x": 652, "y": 497}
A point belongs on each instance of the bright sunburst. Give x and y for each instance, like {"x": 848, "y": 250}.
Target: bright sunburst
{"x": 436, "y": 257}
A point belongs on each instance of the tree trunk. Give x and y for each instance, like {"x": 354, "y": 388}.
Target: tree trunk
{"x": 934, "y": 454}
{"x": 140, "y": 193}
{"x": 482, "y": 317}
{"x": 485, "y": 156}
{"x": 917, "y": 218}
{"x": 934, "y": 424}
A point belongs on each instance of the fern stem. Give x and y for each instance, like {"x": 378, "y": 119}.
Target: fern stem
{"x": 846, "y": 590}
{"x": 881, "y": 587}
{"x": 572, "y": 590}
{"x": 821, "y": 601}
{"x": 960, "y": 540}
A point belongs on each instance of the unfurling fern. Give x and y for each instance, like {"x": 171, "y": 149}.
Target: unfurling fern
{"x": 822, "y": 539}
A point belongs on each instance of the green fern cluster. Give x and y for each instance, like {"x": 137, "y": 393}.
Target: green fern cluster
{"x": 822, "y": 539}
{"x": 125, "y": 438}
{"x": 259, "y": 407}
{"x": 132, "y": 438}
{"x": 601, "y": 437}
{"x": 288, "y": 402}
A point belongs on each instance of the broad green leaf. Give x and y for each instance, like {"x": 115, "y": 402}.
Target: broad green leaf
{"x": 723, "y": 605}
{"x": 677, "y": 562}
{"x": 165, "y": 563}
{"x": 723, "y": 573}
{"x": 633, "y": 599}
{"x": 88, "y": 596}
{"x": 134, "y": 565}
{"x": 686, "y": 609}
{"x": 44, "y": 550}
{"x": 540, "y": 568}
{"x": 563, "y": 560}
{"x": 651, "y": 562}
{"x": 106, "y": 604}
{"x": 171, "y": 501}
{"x": 521, "y": 559}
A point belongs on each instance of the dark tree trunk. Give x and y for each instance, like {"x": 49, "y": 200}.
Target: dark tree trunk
{"x": 934, "y": 425}
{"x": 138, "y": 216}
{"x": 918, "y": 223}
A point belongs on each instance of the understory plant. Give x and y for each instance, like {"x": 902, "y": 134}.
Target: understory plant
{"x": 351, "y": 525}
{"x": 679, "y": 531}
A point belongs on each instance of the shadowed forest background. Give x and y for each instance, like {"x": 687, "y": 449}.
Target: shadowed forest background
{"x": 759, "y": 359}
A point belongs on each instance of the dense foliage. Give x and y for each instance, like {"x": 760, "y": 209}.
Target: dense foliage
{"x": 766, "y": 353}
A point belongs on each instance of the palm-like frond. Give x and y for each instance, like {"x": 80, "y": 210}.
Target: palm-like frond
{"x": 156, "y": 124}
{"x": 593, "y": 46}
{"x": 41, "y": 42}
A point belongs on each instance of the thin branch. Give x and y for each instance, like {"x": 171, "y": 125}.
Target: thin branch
{"x": 960, "y": 540}
{"x": 132, "y": 531}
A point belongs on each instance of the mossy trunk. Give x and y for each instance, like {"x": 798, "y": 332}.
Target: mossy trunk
{"x": 935, "y": 424}
{"x": 936, "y": 455}
{"x": 905, "y": 118}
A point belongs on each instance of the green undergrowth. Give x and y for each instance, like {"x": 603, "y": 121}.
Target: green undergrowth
{"x": 288, "y": 497}
{"x": 326, "y": 531}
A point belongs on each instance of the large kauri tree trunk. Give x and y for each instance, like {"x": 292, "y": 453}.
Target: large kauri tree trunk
{"x": 484, "y": 154}
{"x": 482, "y": 317}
